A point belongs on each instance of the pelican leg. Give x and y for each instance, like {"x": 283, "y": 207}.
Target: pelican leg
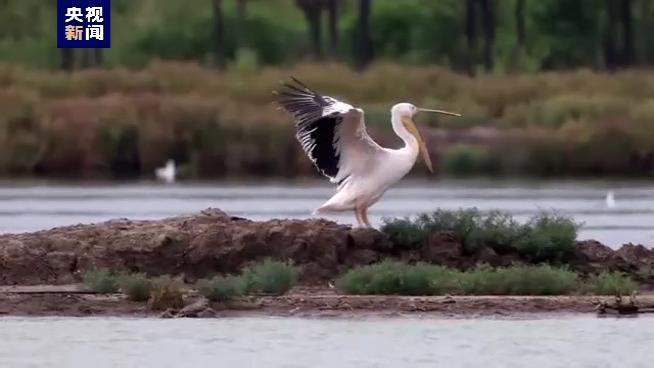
{"x": 357, "y": 214}
{"x": 364, "y": 216}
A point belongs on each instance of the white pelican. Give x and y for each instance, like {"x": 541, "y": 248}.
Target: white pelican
{"x": 166, "y": 173}
{"x": 610, "y": 200}
{"x": 333, "y": 135}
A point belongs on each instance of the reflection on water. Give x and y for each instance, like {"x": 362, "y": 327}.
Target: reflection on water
{"x": 30, "y": 206}
{"x": 290, "y": 342}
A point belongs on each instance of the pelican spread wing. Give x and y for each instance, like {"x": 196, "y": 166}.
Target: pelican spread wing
{"x": 332, "y": 133}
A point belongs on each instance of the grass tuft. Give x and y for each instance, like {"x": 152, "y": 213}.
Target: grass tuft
{"x": 270, "y": 277}
{"x": 222, "y": 288}
{"x": 137, "y": 286}
{"x": 611, "y": 283}
{"x": 101, "y": 280}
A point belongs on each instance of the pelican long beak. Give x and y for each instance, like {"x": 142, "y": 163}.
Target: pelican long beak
{"x": 439, "y": 111}
{"x": 413, "y": 129}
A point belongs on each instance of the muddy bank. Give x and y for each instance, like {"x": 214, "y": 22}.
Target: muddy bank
{"x": 213, "y": 242}
{"x": 309, "y": 302}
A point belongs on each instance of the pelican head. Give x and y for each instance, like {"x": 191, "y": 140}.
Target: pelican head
{"x": 404, "y": 113}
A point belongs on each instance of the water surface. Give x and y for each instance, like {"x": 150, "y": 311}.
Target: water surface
{"x": 34, "y": 206}
{"x": 339, "y": 343}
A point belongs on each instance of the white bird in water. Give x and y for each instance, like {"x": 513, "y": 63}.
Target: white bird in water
{"x": 333, "y": 135}
{"x": 610, "y": 200}
{"x": 166, "y": 173}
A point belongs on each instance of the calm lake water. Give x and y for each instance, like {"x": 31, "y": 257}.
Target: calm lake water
{"x": 291, "y": 342}
{"x": 34, "y": 206}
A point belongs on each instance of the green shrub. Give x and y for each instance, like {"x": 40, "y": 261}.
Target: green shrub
{"x": 136, "y": 286}
{"x": 498, "y": 230}
{"x": 405, "y": 233}
{"x": 464, "y": 223}
{"x": 101, "y": 280}
{"x": 270, "y": 277}
{"x": 548, "y": 238}
{"x": 433, "y": 278}
{"x": 545, "y": 237}
{"x": 222, "y": 288}
{"x": 461, "y": 221}
{"x": 475, "y": 229}
{"x": 494, "y": 229}
{"x": 391, "y": 277}
{"x": 611, "y": 283}
{"x": 519, "y": 280}
{"x": 359, "y": 280}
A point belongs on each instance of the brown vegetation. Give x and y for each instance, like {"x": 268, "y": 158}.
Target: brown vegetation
{"x": 127, "y": 122}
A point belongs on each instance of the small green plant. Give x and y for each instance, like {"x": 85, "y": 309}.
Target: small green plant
{"x": 611, "y": 283}
{"x": 101, "y": 280}
{"x": 548, "y": 238}
{"x": 222, "y": 288}
{"x": 270, "y": 277}
{"x": 136, "y": 286}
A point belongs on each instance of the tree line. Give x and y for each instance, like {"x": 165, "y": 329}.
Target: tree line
{"x": 480, "y": 17}
{"x": 466, "y": 35}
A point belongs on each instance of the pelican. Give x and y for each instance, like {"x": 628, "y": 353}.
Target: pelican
{"x": 166, "y": 173}
{"x": 610, "y": 200}
{"x": 333, "y": 134}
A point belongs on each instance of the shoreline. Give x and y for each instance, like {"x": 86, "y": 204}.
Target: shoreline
{"x": 306, "y": 302}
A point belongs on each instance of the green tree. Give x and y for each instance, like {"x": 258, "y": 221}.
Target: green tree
{"x": 313, "y": 10}
{"x": 219, "y": 33}
{"x": 363, "y": 51}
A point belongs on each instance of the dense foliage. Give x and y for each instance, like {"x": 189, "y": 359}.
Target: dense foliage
{"x": 466, "y": 35}
{"x": 545, "y": 237}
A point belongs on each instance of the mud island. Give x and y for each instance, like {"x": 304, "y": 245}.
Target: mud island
{"x": 325, "y": 268}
